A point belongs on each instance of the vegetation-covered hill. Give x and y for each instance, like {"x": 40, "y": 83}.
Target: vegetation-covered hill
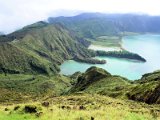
{"x": 147, "y": 89}
{"x": 97, "y": 80}
{"x": 17, "y": 88}
{"x": 40, "y": 48}
{"x": 92, "y": 25}
{"x": 90, "y": 95}
{"x": 93, "y": 81}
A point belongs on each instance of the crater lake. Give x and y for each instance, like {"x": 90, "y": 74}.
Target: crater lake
{"x": 147, "y": 46}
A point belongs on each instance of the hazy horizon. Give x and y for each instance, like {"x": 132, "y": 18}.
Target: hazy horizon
{"x": 18, "y": 13}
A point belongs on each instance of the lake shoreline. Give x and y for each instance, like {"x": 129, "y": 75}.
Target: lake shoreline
{"x": 145, "y": 45}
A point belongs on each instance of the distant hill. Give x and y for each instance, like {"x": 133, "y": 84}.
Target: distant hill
{"x": 93, "y": 25}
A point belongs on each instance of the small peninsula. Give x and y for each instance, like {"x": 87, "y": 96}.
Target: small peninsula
{"x": 121, "y": 54}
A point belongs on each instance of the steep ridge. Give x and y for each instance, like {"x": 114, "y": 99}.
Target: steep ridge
{"x": 47, "y": 46}
{"x": 91, "y": 75}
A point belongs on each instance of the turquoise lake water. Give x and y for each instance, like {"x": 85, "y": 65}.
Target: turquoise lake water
{"x": 147, "y": 46}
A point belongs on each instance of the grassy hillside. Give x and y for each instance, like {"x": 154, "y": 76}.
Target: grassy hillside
{"x": 13, "y": 60}
{"x": 18, "y": 88}
{"x": 147, "y": 89}
{"x": 40, "y": 48}
{"x": 81, "y": 107}
{"x": 97, "y": 80}
{"x": 94, "y": 95}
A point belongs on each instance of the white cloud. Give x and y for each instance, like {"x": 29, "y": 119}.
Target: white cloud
{"x": 17, "y": 13}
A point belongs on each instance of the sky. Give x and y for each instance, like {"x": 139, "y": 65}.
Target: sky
{"x": 14, "y": 14}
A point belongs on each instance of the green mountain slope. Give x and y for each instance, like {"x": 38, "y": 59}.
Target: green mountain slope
{"x": 17, "y": 88}
{"x": 147, "y": 89}
{"x": 91, "y": 95}
{"x": 14, "y": 60}
{"x": 93, "y": 81}
{"x": 97, "y": 80}
{"x": 40, "y": 48}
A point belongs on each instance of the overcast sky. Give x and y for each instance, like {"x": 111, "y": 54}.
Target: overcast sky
{"x": 15, "y": 14}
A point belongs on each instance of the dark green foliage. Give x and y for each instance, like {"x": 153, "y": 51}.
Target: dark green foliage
{"x": 30, "y": 109}
{"x": 121, "y": 54}
{"x": 16, "y": 107}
